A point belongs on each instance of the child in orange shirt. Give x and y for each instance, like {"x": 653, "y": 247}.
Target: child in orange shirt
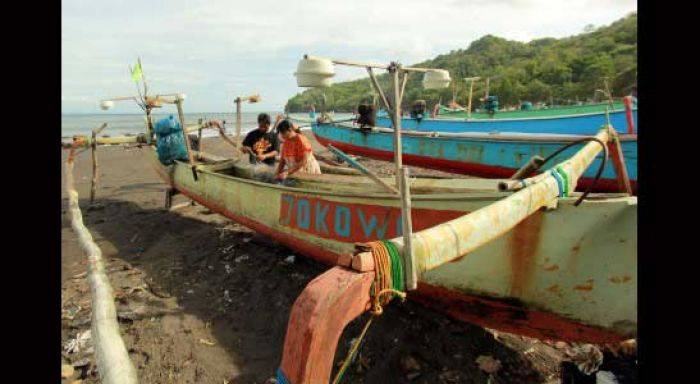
{"x": 297, "y": 154}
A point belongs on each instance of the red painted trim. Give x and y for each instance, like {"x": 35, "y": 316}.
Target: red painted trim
{"x": 461, "y": 167}
{"x": 484, "y": 312}
{"x": 317, "y": 253}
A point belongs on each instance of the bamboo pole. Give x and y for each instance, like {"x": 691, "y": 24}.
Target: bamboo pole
{"x": 112, "y": 358}
{"x": 469, "y": 105}
{"x": 403, "y": 85}
{"x": 448, "y": 241}
{"x": 532, "y": 165}
{"x": 93, "y": 153}
{"x": 619, "y": 165}
{"x": 407, "y": 229}
{"x": 239, "y": 123}
{"x": 411, "y": 275}
{"x": 362, "y": 169}
{"x": 396, "y": 116}
{"x": 199, "y": 136}
{"x": 181, "y": 115}
{"x": 377, "y": 88}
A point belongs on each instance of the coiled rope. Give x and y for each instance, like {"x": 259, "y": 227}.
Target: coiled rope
{"x": 388, "y": 283}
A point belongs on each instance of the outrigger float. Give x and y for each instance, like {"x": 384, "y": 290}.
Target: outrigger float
{"x": 525, "y": 255}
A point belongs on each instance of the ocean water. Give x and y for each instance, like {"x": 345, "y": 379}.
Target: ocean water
{"x": 122, "y": 124}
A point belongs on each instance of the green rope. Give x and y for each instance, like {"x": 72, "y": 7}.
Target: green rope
{"x": 397, "y": 277}
{"x": 565, "y": 177}
{"x": 397, "y": 283}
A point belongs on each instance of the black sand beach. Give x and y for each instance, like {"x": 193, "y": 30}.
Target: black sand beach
{"x": 205, "y": 300}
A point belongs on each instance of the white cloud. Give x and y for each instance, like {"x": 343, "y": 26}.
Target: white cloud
{"x": 216, "y": 49}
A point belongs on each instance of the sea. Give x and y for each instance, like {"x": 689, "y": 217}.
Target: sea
{"x": 132, "y": 124}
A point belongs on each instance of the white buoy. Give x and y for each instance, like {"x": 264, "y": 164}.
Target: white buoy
{"x": 313, "y": 72}
{"x": 436, "y": 79}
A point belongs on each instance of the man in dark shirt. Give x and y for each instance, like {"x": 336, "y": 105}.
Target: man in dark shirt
{"x": 261, "y": 145}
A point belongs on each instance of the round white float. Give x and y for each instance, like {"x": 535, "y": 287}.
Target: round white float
{"x": 436, "y": 79}
{"x": 106, "y": 104}
{"x": 314, "y": 72}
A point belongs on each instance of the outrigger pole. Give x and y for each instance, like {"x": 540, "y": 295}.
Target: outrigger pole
{"x": 238, "y": 100}
{"x": 471, "y": 81}
{"x": 317, "y": 71}
{"x": 157, "y": 101}
{"x": 148, "y": 103}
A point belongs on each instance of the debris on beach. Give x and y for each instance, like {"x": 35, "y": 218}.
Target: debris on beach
{"x": 67, "y": 371}
{"x": 488, "y": 364}
{"x": 587, "y": 358}
{"x": 78, "y": 343}
{"x": 207, "y": 342}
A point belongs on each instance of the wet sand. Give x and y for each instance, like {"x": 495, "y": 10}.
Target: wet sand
{"x": 204, "y": 300}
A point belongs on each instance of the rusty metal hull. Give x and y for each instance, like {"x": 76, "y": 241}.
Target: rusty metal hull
{"x": 568, "y": 273}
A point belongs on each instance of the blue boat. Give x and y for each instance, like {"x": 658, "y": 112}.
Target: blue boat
{"x": 564, "y": 121}
{"x": 491, "y": 155}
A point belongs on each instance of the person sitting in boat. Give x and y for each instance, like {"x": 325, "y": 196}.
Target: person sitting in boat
{"x": 297, "y": 154}
{"x": 261, "y": 144}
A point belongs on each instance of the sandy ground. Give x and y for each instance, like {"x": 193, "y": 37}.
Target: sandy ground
{"x": 201, "y": 299}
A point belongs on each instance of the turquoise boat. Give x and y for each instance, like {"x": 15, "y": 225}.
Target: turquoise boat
{"x": 568, "y": 120}
{"x": 489, "y": 155}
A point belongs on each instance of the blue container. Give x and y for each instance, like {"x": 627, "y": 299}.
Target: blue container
{"x": 170, "y": 141}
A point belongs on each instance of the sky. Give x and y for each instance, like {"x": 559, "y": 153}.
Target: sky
{"x": 216, "y": 50}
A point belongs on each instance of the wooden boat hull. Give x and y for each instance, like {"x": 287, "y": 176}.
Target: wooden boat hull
{"x": 482, "y": 155}
{"x": 568, "y": 273}
{"x": 582, "y": 124}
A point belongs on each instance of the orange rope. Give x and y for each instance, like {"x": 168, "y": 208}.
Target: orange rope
{"x": 383, "y": 278}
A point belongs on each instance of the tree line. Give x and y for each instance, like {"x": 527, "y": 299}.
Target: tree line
{"x": 548, "y": 70}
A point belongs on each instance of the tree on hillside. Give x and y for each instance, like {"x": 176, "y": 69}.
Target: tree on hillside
{"x": 564, "y": 69}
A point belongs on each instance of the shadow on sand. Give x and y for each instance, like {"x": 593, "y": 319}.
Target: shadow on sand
{"x": 237, "y": 285}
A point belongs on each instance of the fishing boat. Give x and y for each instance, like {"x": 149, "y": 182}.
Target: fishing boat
{"x": 536, "y": 121}
{"x": 569, "y": 120}
{"x": 574, "y": 266}
{"x": 481, "y": 154}
{"x": 533, "y": 257}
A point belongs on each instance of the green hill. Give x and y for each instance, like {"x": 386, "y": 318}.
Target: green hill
{"x": 547, "y": 69}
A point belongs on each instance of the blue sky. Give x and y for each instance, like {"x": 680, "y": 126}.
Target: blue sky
{"x": 215, "y": 50}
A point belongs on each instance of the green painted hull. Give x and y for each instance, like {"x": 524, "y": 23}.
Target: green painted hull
{"x": 534, "y": 113}
{"x": 567, "y": 273}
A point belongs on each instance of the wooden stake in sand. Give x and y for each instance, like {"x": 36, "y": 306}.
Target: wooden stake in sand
{"x": 113, "y": 361}
{"x": 93, "y": 148}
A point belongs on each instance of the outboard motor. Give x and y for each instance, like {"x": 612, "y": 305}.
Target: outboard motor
{"x": 418, "y": 110}
{"x": 367, "y": 116}
{"x": 491, "y": 104}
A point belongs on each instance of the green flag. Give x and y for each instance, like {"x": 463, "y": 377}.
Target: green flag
{"x": 136, "y": 73}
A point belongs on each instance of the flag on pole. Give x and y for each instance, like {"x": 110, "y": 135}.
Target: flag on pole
{"x": 136, "y": 73}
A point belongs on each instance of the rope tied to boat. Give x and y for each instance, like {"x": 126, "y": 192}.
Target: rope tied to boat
{"x": 388, "y": 283}
{"x": 563, "y": 180}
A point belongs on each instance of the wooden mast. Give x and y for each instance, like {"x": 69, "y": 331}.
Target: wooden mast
{"x": 402, "y": 182}
{"x": 238, "y": 102}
